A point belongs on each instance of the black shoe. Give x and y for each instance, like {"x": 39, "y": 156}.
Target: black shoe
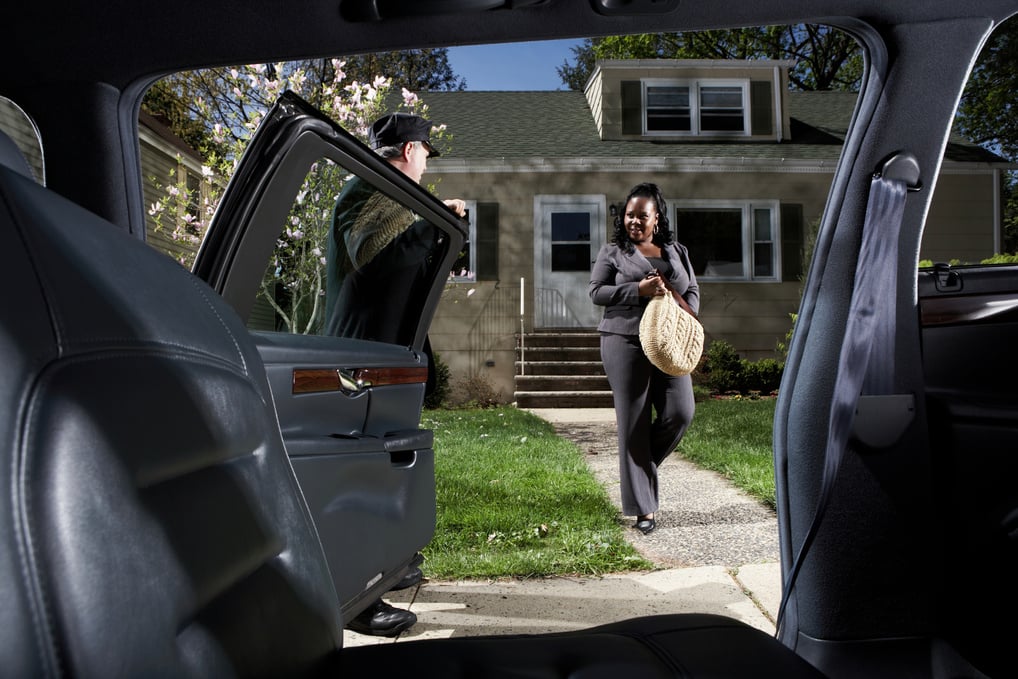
{"x": 382, "y": 620}
{"x": 412, "y": 576}
{"x": 646, "y": 526}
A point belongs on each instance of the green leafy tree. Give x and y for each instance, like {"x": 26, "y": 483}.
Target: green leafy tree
{"x": 230, "y": 104}
{"x": 987, "y": 114}
{"x": 825, "y": 58}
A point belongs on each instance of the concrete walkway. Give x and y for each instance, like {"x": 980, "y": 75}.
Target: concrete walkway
{"x": 716, "y": 549}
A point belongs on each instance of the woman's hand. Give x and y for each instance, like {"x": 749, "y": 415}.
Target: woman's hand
{"x": 653, "y": 285}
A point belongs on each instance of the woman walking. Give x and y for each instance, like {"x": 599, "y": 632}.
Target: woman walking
{"x": 641, "y": 261}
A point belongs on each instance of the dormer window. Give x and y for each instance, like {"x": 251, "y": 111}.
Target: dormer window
{"x": 695, "y": 107}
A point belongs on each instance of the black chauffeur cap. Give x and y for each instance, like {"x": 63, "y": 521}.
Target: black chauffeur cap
{"x": 399, "y": 128}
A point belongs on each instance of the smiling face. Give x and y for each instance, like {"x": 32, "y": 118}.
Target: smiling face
{"x": 641, "y": 219}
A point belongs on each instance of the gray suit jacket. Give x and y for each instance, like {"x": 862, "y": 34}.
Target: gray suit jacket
{"x": 616, "y": 275}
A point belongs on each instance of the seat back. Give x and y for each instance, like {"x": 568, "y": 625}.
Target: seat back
{"x": 151, "y": 525}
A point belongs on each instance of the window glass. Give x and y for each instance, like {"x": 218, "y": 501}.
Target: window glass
{"x": 730, "y": 241}
{"x": 465, "y": 267}
{"x": 668, "y": 109}
{"x": 318, "y": 283}
{"x": 570, "y": 247}
{"x": 721, "y": 109}
{"x": 763, "y": 246}
{"x": 714, "y": 239}
{"x": 695, "y": 107}
{"x": 572, "y": 226}
{"x": 22, "y": 130}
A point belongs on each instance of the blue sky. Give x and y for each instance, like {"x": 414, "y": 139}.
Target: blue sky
{"x": 517, "y": 66}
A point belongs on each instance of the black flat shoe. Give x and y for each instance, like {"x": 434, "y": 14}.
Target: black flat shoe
{"x": 646, "y": 526}
{"x": 382, "y": 620}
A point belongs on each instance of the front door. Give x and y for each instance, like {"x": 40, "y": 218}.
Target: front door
{"x": 568, "y": 232}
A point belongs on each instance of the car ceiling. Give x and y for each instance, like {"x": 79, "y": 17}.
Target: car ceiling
{"x": 126, "y": 40}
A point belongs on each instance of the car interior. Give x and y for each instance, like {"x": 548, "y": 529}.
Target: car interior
{"x": 186, "y": 496}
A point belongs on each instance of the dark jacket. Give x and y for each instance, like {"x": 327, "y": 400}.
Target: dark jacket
{"x": 614, "y": 284}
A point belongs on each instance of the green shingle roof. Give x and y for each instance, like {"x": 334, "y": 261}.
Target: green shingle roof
{"x": 559, "y": 124}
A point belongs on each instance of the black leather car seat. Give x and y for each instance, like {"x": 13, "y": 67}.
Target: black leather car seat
{"x": 151, "y": 524}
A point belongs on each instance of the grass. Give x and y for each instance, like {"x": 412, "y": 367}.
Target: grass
{"x": 734, "y": 438}
{"x": 514, "y": 499}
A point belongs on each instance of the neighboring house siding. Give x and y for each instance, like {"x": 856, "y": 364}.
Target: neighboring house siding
{"x": 164, "y": 160}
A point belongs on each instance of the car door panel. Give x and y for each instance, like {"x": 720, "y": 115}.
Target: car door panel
{"x": 364, "y": 466}
{"x": 969, "y": 319}
{"x": 348, "y": 406}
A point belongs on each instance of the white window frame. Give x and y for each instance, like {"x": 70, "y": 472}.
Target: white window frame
{"x": 695, "y": 85}
{"x": 471, "y": 276}
{"x": 747, "y": 209}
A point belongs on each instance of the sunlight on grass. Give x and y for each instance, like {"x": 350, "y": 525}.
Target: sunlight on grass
{"x": 514, "y": 499}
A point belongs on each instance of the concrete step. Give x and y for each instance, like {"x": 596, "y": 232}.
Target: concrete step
{"x": 564, "y": 399}
{"x": 568, "y": 339}
{"x": 563, "y": 382}
{"x": 559, "y": 367}
{"x": 560, "y": 353}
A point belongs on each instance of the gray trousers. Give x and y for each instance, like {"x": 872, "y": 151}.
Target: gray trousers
{"x": 638, "y": 387}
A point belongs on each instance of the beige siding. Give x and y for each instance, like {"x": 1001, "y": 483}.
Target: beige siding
{"x": 961, "y": 216}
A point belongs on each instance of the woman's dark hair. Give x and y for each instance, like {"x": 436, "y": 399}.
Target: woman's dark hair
{"x": 664, "y": 233}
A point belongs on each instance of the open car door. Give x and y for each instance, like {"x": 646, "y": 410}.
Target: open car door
{"x": 348, "y": 393}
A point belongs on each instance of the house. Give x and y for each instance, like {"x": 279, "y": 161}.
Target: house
{"x": 745, "y": 165}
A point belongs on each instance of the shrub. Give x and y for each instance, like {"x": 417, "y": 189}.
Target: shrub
{"x": 722, "y": 368}
{"x": 438, "y": 396}
{"x": 723, "y": 372}
{"x": 763, "y": 376}
{"x": 477, "y": 391}
{"x": 1001, "y": 258}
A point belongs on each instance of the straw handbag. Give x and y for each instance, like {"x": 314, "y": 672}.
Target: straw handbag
{"x": 671, "y": 337}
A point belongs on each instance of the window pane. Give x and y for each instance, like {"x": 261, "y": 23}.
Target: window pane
{"x": 571, "y": 226}
{"x": 461, "y": 268}
{"x": 668, "y": 121}
{"x": 668, "y": 109}
{"x": 316, "y": 284}
{"x": 721, "y": 109}
{"x": 714, "y": 239}
{"x": 721, "y": 97}
{"x": 570, "y": 257}
{"x": 668, "y": 97}
{"x": 762, "y": 225}
{"x": 763, "y": 260}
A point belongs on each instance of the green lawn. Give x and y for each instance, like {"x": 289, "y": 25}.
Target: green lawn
{"x": 514, "y": 499}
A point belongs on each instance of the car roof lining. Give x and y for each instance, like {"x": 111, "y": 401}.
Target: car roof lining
{"x": 193, "y": 35}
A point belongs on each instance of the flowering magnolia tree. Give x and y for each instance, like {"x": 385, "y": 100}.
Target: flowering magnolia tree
{"x": 233, "y": 104}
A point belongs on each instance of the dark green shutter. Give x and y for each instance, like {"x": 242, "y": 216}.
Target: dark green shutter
{"x": 632, "y": 107}
{"x": 761, "y": 96}
{"x": 791, "y": 242}
{"x": 486, "y": 247}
